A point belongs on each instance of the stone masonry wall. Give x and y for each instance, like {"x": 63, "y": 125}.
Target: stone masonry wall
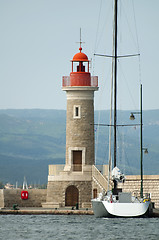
{"x": 99, "y": 188}
{"x": 150, "y": 185}
{"x": 1, "y": 198}
{"x": 35, "y": 197}
{"x": 80, "y": 131}
{"x": 56, "y": 191}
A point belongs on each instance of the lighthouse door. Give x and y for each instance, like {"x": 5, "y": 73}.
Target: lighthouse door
{"x": 77, "y": 161}
{"x": 71, "y": 196}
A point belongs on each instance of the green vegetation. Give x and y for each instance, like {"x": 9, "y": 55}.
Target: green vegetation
{"x": 30, "y": 140}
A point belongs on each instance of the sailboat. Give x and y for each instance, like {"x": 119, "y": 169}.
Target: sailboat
{"x": 115, "y": 203}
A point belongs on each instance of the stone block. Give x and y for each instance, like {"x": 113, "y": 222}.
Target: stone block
{"x": 51, "y": 205}
{"x": 86, "y": 205}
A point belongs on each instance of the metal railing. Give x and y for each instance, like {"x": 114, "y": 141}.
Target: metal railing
{"x": 66, "y": 81}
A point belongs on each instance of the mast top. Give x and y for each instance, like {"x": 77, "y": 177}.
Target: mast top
{"x": 80, "y": 57}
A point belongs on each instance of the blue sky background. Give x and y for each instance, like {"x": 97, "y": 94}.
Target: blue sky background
{"x": 39, "y": 38}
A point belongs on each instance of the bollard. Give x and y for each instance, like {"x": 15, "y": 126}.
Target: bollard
{"x": 77, "y": 206}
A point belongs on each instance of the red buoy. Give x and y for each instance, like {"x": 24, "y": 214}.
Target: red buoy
{"x": 24, "y": 195}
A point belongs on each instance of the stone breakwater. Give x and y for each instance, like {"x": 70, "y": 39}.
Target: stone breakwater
{"x": 41, "y": 211}
{"x": 28, "y": 211}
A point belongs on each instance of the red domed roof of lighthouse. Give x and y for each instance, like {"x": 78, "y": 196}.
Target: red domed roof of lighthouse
{"x": 80, "y": 57}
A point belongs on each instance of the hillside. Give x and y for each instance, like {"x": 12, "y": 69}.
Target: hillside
{"x": 30, "y": 140}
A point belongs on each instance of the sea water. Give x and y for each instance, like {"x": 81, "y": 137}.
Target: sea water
{"x": 67, "y": 227}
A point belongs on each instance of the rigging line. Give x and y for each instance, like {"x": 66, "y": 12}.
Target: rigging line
{"x": 137, "y": 42}
{"x": 100, "y": 100}
{"x": 98, "y": 24}
{"x": 140, "y": 71}
{"x": 99, "y": 36}
{"x": 96, "y": 36}
{"x": 99, "y": 103}
{"x": 128, "y": 24}
{"x": 121, "y": 148}
{"x": 97, "y": 136}
{"x": 121, "y": 30}
{"x": 111, "y": 110}
{"x": 132, "y": 99}
{"x": 128, "y": 164}
{"x": 135, "y": 26}
{"x": 105, "y": 23}
{"x": 118, "y": 149}
{"x": 103, "y": 90}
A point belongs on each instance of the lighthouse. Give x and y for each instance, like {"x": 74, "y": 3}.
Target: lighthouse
{"x": 71, "y": 185}
{"x": 80, "y": 88}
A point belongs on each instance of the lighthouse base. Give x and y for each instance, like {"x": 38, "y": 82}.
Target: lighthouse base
{"x": 69, "y": 189}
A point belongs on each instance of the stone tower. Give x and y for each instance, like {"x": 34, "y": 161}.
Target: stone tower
{"x": 80, "y": 87}
{"x": 72, "y": 185}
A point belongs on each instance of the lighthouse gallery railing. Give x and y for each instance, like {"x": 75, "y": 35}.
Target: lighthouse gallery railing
{"x": 66, "y": 81}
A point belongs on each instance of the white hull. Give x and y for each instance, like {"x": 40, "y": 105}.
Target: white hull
{"x": 116, "y": 209}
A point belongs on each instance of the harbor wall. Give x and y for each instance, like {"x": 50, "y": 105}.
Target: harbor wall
{"x": 150, "y": 185}
{"x": 1, "y": 198}
{"x": 8, "y": 197}
{"x": 36, "y": 197}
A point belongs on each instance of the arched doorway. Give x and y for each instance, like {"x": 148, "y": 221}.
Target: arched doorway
{"x": 94, "y": 193}
{"x": 71, "y": 196}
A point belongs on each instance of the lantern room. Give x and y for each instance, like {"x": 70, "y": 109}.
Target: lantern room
{"x": 80, "y": 75}
{"x": 79, "y": 59}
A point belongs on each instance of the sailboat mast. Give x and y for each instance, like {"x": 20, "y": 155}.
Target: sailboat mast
{"x": 115, "y": 79}
{"x": 141, "y": 148}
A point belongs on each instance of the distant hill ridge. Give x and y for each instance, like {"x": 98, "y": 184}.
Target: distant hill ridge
{"x": 32, "y": 139}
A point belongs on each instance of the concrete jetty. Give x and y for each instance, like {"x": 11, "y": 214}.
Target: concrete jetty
{"x": 60, "y": 211}
{"x": 42, "y": 211}
{"x": 155, "y": 212}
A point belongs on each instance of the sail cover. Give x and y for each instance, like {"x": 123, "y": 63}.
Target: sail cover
{"x": 117, "y": 175}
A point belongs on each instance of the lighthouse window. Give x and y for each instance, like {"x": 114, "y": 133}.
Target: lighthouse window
{"x": 76, "y": 111}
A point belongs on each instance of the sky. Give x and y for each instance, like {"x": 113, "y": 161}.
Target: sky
{"x": 40, "y": 37}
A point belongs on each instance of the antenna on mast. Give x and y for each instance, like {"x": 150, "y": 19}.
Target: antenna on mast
{"x": 80, "y": 38}
{"x": 80, "y": 42}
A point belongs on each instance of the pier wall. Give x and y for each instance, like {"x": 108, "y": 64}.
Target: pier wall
{"x": 36, "y": 197}
{"x": 8, "y": 197}
{"x": 1, "y": 198}
{"x": 150, "y": 185}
